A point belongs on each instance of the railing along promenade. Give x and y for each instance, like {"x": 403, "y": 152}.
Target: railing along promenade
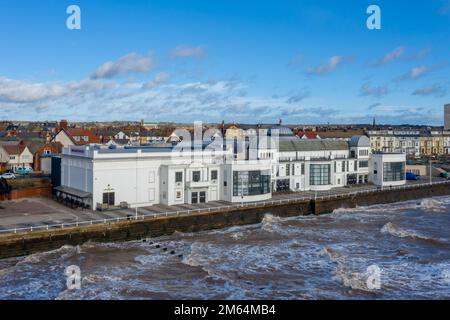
{"x": 217, "y": 208}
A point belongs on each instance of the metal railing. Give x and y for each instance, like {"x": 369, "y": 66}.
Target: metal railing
{"x": 276, "y": 202}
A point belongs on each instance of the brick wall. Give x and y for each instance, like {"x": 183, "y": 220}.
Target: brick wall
{"x": 42, "y": 191}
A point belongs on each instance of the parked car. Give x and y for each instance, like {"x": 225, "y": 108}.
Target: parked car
{"x": 24, "y": 170}
{"x": 411, "y": 176}
{"x": 8, "y": 176}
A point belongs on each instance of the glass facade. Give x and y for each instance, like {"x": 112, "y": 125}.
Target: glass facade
{"x": 393, "y": 171}
{"x": 319, "y": 174}
{"x": 250, "y": 183}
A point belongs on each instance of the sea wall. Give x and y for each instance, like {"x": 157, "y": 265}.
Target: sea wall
{"x": 379, "y": 197}
{"x": 27, "y": 243}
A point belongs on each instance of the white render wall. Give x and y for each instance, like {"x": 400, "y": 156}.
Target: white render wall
{"x": 147, "y": 178}
{"x": 376, "y": 165}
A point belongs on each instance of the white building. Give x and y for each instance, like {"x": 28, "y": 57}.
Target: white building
{"x": 319, "y": 164}
{"x": 387, "y": 169}
{"x": 166, "y": 174}
{"x": 238, "y": 170}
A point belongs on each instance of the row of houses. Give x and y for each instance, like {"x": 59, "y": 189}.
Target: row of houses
{"x": 30, "y": 146}
{"x": 414, "y": 143}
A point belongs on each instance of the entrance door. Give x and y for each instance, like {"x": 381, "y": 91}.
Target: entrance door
{"x": 202, "y": 196}
{"x": 109, "y": 198}
{"x": 194, "y": 197}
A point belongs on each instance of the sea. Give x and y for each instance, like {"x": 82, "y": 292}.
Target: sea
{"x": 389, "y": 251}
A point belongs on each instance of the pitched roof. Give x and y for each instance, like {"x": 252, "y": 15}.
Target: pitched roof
{"x": 55, "y": 147}
{"x": 308, "y": 135}
{"x": 80, "y": 132}
{"x": 13, "y": 149}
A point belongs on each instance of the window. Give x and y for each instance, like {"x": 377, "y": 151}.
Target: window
{"x": 202, "y": 196}
{"x": 363, "y": 152}
{"x": 343, "y": 166}
{"x": 214, "y": 175}
{"x": 288, "y": 171}
{"x": 319, "y": 174}
{"x": 178, "y": 194}
{"x": 364, "y": 164}
{"x": 293, "y": 169}
{"x": 178, "y": 176}
{"x": 251, "y": 183}
{"x": 194, "y": 197}
{"x": 196, "y": 176}
{"x": 393, "y": 171}
{"x": 303, "y": 168}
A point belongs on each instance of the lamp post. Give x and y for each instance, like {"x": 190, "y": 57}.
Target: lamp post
{"x": 430, "y": 169}
{"x": 242, "y": 191}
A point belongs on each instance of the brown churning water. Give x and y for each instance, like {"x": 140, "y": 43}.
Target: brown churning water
{"x": 326, "y": 257}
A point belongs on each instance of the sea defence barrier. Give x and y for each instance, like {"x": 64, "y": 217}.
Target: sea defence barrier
{"x": 25, "y": 243}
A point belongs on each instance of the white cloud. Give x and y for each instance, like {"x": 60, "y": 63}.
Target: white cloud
{"x": 415, "y": 73}
{"x": 435, "y": 90}
{"x": 330, "y": 65}
{"x": 17, "y": 91}
{"x": 368, "y": 90}
{"x": 298, "y": 96}
{"x": 130, "y": 63}
{"x": 160, "y": 78}
{"x": 188, "y": 51}
{"x": 391, "y": 56}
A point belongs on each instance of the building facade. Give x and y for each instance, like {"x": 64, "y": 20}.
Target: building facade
{"x": 235, "y": 171}
{"x": 387, "y": 169}
{"x": 14, "y": 156}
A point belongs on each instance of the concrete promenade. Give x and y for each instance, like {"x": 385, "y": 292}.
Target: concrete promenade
{"x": 35, "y": 214}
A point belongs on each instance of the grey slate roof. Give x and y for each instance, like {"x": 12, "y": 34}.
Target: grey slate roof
{"x": 311, "y": 145}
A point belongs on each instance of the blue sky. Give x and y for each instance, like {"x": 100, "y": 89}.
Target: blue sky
{"x": 244, "y": 61}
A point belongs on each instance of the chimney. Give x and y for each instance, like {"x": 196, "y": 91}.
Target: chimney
{"x": 63, "y": 124}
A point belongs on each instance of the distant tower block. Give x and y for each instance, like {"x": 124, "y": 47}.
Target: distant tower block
{"x": 447, "y": 117}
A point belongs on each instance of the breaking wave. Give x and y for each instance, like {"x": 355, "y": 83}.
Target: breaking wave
{"x": 280, "y": 258}
{"x": 432, "y": 205}
{"x": 353, "y": 280}
{"x": 394, "y": 230}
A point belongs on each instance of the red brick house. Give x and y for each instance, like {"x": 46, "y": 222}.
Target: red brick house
{"x": 42, "y": 161}
{"x": 69, "y": 136}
